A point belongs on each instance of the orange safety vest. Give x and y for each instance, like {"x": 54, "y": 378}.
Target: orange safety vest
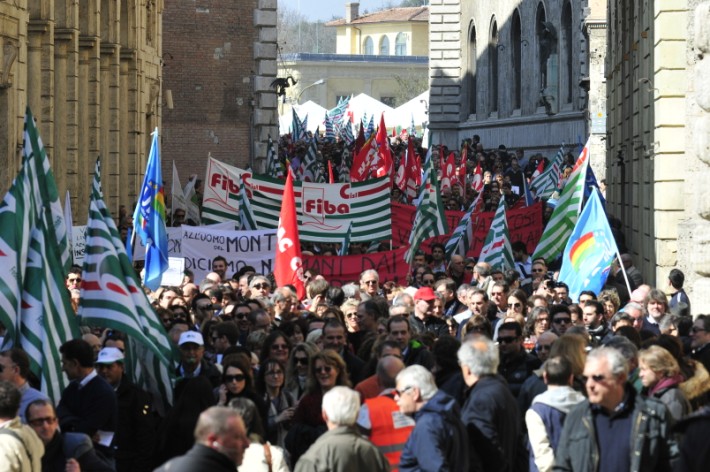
{"x": 390, "y": 428}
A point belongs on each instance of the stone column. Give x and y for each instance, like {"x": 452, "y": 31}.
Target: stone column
{"x": 265, "y": 113}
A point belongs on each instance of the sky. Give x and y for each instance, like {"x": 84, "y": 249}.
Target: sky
{"x": 325, "y": 10}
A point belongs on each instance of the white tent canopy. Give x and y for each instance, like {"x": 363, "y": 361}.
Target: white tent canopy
{"x": 365, "y": 104}
{"x": 415, "y": 109}
{"x": 315, "y": 113}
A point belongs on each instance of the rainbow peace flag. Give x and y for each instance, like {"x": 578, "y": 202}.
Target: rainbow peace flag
{"x": 591, "y": 248}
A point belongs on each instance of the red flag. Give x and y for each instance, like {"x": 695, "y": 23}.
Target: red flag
{"x": 330, "y": 171}
{"x": 538, "y": 171}
{"x": 448, "y": 172}
{"x": 385, "y": 163}
{"x": 360, "y": 140}
{"x": 363, "y": 160}
{"x": 477, "y": 183}
{"x": 288, "y": 261}
{"x": 394, "y": 130}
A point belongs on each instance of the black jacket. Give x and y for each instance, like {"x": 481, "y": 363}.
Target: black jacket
{"x": 494, "y": 426}
{"x": 199, "y": 458}
{"x": 136, "y": 432}
{"x": 73, "y": 446}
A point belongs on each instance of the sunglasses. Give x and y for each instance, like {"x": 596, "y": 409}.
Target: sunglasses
{"x": 507, "y": 339}
{"x": 275, "y": 373}
{"x": 694, "y": 329}
{"x": 232, "y": 378}
{"x": 351, "y": 315}
{"x": 301, "y": 360}
{"x": 77, "y": 279}
{"x": 428, "y": 281}
{"x": 326, "y": 368}
{"x": 261, "y": 286}
{"x": 37, "y": 422}
{"x": 469, "y": 269}
{"x": 516, "y": 305}
{"x": 543, "y": 347}
{"x": 596, "y": 378}
{"x": 542, "y": 320}
{"x": 399, "y": 393}
{"x": 370, "y": 282}
{"x": 279, "y": 347}
{"x": 562, "y": 320}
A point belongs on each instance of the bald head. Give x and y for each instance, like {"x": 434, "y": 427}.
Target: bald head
{"x": 387, "y": 369}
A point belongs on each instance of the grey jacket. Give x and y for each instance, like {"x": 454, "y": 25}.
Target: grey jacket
{"x": 653, "y": 447}
{"x": 342, "y": 449}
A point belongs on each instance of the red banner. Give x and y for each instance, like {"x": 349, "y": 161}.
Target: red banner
{"x": 341, "y": 270}
{"x": 524, "y": 224}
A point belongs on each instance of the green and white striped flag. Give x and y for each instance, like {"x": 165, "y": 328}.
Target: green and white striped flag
{"x": 34, "y": 259}
{"x": 559, "y": 228}
{"x": 112, "y": 297}
{"x": 429, "y": 220}
{"x": 461, "y": 238}
{"x": 546, "y": 183}
{"x": 345, "y": 245}
{"x": 246, "y": 215}
{"x": 220, "y": 202}
{"x": 496, "y": 248}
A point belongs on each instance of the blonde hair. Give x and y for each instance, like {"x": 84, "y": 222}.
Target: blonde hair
{"x": 659, "y": 360}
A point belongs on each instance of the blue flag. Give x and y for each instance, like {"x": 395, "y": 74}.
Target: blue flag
{"x": 590, "y": 183}
{"x": 591, "y": 248}
{"x": 149, "y": 218}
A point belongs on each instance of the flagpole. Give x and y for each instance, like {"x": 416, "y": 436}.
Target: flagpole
{"x": 623, "y": 271}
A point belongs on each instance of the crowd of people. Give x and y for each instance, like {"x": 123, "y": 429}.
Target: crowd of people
{"x": 462, "y": 367}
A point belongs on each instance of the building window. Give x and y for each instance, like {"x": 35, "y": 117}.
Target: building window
{"x": 567, "y": 71}
{"x": 389, "y": 101}
{"x": 543, "y": 52}
{"x": 472, "y": 60}
{"x": 385, "y": 46}
{"x": 493, "y": 67}
{"x": 368, "y": 47}
{"x": 400, "y": 45}
{"x": 517, "y": 45}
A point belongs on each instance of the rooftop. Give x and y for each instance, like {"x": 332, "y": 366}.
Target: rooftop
{"x": 393, "y": 15}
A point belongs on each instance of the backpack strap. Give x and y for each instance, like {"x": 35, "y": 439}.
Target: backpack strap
{"x": 267, "y": 455}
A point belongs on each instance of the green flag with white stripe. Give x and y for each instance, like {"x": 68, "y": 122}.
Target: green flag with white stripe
{"x": 564, "y": 217}
{"x": 111, "y": 297}
{"x": 496, "y": 248}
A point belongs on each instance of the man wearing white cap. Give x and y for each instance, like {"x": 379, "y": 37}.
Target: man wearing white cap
{"x": 192, "y": 362}
{"x": 135, "y": 432}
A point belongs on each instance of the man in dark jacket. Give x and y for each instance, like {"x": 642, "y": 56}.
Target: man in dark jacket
{"x": 516, "y": 364}
{"x": 135, "y": 435}
{"x": 220, "y": 441}
{"x": 597, "y": 431}
{"x": 438, "y": 441}
{"x": 193, "y": 363}
{"x": 490, "y": 413}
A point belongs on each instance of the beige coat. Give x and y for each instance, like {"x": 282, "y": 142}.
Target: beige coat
{"x": 20, "y": 453}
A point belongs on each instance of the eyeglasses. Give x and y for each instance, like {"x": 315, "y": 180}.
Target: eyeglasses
{"x": 596, "y": 378}
{"x": 279, "y": 347}
{"x": 37, "y": 422}
{"x": 507, "y": 339}
{"x": 260, "y": 286}
{"x": 469, "y": 268}
{"x": 542, "y": 320}
{"x": 516, "y": 305}
{"x": 326, "y": 368}
{"x": 351, "y": 315}
{"x": 234, "y": 378}
{"x": 543, "y": 347}
{"x": 694, "y": 329}
{"x": 428, "y": 281}
{"x": 301, "y": 360}
{"x": 274, "y": 373}
{"x": 538, "y": 270}
{"x": 240, "y": 316}
{"x": 76, "y": 279}
{"x": 562, "y": 320}
{"x": 399, "y": 393}
{"x": 370, "y": 282}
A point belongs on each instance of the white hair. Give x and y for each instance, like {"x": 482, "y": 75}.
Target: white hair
{"x": 341, "y": 405}
{"x": 418, "y": 376}
{"x": 367, "y": 272}
{"x": 480, "y": 355}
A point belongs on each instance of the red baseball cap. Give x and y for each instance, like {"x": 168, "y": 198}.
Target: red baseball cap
{"x": 425, "y": 293}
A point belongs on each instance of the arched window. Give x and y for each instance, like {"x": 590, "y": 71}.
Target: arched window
{"x": 368, "y": 47}
{"x": 400, "y": 45}
{"x": 542, "y": 53}
{"x": 472, "y": 58}
{"x": 385, "y": 46}
{"x": 517, "y": 40}
{"x": 567, "y": 42}
{"x": 493, "y": 67}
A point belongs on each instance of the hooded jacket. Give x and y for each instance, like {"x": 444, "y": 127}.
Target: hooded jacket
{"x": 545, "y": 420}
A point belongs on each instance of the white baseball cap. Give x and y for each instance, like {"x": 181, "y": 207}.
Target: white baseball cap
{"x": 191, "y": 337}
{"x": 109, "y": 355}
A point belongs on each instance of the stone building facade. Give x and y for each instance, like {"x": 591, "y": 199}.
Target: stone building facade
{"x": 219, "y": 62}
{"x": 651, "y": 100}
{"x": 90, "y": 71}
{"x": 517, "y": 73}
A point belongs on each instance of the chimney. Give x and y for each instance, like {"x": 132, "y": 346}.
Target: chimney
{"x": 352, "y": 11}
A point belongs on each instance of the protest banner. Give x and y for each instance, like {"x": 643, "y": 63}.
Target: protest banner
{"x": 78, "y": 244}
{"x": 341, "y": 270}
{"x": 524, "y": 224}
{"x": 221, "y": 192}
{"x": 174, "y": 240}
{"x": 241, "y": 248}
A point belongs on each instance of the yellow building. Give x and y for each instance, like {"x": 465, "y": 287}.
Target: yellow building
{"x": 383, "y": 54}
